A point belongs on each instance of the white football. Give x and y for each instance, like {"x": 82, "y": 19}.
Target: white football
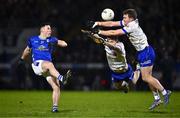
{"x": 107, "y": 14}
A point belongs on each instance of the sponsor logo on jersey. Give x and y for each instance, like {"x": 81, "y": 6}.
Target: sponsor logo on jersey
{"x": 42, "y": 48}
{"x": 146, "y": 62}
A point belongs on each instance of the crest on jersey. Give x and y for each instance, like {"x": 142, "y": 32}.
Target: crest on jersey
{"x": 41, "y": 47}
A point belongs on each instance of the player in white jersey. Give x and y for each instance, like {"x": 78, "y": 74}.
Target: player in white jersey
{"x": 121, "y": 71}
{"x": 145, "y": 53}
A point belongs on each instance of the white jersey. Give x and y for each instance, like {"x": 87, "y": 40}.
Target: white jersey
{"x": 117, "y": 58}
{"x": 136, "y": 35}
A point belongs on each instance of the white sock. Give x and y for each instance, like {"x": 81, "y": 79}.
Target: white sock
{"x": 156, "y": 95}
{"x": 164, "y": 92}
{"x": 124, "y": 83}
{"x": 60, "y": 78}
{"x": 55, "y": 107}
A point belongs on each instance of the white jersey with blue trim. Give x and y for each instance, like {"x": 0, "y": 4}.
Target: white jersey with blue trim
{"x": 117, "y": 58}
{"x": 136, "y": 35}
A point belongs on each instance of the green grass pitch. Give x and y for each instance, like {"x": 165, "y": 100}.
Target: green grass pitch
{"x": 85, "y": 104}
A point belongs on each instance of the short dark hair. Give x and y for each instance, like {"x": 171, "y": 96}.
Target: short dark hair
{"x": 131, "y": 13}
{"x": 44, "y": 24}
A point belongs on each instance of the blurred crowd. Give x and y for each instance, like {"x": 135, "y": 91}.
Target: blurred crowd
{"x": 158, "y": 18}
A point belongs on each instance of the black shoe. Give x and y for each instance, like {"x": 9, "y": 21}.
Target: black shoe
{"x": 66, "y": 77}
{"x": 125, "y": 89}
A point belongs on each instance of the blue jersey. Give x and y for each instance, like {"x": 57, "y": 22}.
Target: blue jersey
{"x": 42, "y": 48}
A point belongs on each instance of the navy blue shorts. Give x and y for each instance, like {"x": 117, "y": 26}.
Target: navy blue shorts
{"x": 146, "y": 57}
{"x": 128, "y": 75}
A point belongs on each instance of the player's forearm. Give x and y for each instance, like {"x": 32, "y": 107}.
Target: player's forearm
{"x": 117, "y": 32}
{"x": 106, "y": 24}
{"x": 25, "y": 54}
{"x": 108, "y": 33}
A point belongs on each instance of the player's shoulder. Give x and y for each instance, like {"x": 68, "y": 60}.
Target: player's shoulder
{"x": 134, "y": 24}
{"x": 52, "y": 38}
{"x": 31, "y": 38}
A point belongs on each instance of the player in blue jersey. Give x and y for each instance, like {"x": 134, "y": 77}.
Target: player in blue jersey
{"x": 145, "y": 53}
{"x": 41, "y": 48}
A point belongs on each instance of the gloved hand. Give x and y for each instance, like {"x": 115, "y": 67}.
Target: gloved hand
{"x": 21, "y": 62}
{"x": 21, "y": 67}
{"x": 95, "y": 30}
{"x": 90, "y": 24}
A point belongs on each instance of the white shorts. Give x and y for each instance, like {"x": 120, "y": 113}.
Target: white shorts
{"x": 37, "y": 67}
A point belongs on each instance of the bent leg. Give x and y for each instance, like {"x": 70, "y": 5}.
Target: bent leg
{"x": 152, "y": 81}
{"x": 48, "y": 67}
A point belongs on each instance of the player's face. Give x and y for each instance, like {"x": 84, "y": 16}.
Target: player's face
{"x": 46, "y": 30}
{"x": 111, "y": 41}
{"x": 126, "y": 19}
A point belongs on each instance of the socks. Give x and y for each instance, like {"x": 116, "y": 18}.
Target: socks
{"x": 156, "y": 95}
{"x": 164, "y": 92}
{"x": 124, "y": 83}
{"x": 60, "y": 78}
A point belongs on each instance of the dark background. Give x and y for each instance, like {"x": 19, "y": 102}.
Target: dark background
{"x": 20, "y": 19}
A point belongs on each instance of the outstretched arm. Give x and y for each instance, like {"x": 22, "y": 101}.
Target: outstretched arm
{"x": 117, "y": 32}
{"x": 107, "y": 24}
{"x": 25, "y": 53}
{"x": 62, "y": 43}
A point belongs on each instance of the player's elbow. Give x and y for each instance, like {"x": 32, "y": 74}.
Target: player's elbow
{"x": 64, "y": 44}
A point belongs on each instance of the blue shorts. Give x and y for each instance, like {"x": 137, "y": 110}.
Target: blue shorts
{"x": 146, "y": 57}
{"x": 128, "y": 75}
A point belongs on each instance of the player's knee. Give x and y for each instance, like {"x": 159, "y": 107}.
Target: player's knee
{"x": 146, "y": 77}
{"x": 56, "y": 88}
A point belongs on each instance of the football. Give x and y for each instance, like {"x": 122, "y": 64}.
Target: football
{"x": 107, "y": 14}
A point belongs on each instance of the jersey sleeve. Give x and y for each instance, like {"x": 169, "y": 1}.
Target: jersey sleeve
{"x": 54, "y": 40}
{"x": 131, "y": 27}
{"x": 127, "y": 29}
{"x": 121, "y": 23}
